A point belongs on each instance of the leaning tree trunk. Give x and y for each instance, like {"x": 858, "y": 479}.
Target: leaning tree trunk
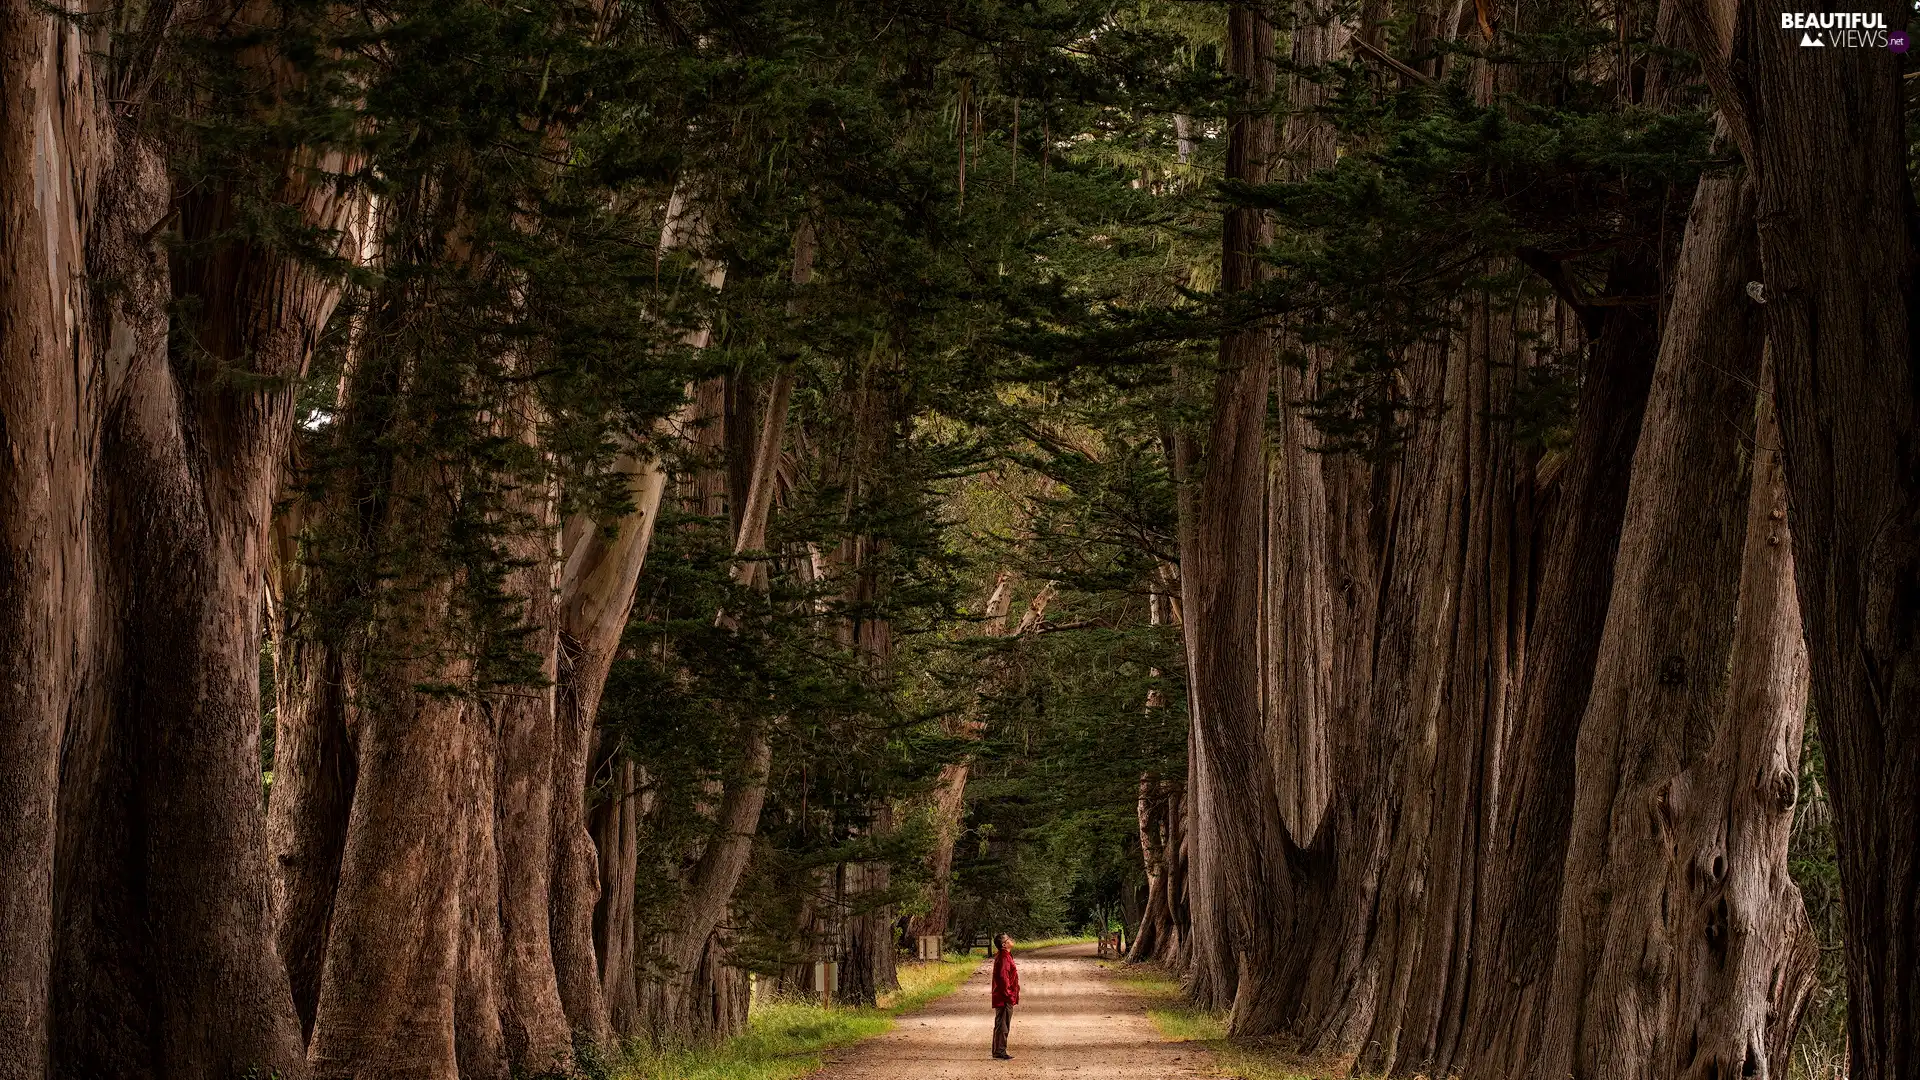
{"x": 1828, "y": 142}
{"x": 595, "y": 853}
{"x": 1745, "y": 953}
{"x": 596, "y": 850}
{"x": 133, "y": 528}
{"x": 672, "y": 1006}
{"x": 686, "y": 1005}
{"x": 1660, "y": 680}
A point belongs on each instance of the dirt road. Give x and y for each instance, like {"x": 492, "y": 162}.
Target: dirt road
{"x": 1072, "y": 1021}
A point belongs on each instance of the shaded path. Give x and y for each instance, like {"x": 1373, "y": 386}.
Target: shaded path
{"x": 1072, "y": 1021}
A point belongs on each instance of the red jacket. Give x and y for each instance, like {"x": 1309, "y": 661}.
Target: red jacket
{"x": 1006, "y": 981}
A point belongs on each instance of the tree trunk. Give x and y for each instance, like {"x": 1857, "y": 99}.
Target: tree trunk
{"x": 1242, "y": 803}
{"x": 1837, "y": 254}
{"x": 867, "y": 953}
{"x": 1659, "y": 682}
{"x": 672, "y": 1006}
{"x": 1744, "y": 951}
{"x": 1447, "y": 650}
{"x": 616, "y": 831}
{"x": 527, "y": 799}
{"x": 1297, "y": 617}
{"x": 596, "y": 853}
{"x": 1156, "y": 915}
{"x": 1531, "y": 804}
{"x": 692, "y": 997}
{"x": 311, "y": 793}
{"x": 1153, "y": 925}
{"x": 596, "y": 948}
{"x": 399, "y": 978}
{"x": 1203, "y": 957}
{"x": 133, "y": 520}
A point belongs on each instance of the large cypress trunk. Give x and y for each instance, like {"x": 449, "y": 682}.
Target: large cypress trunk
{"x": 1238, "y": 792}
{"x": 1202, "y": 954}
{"x": 1837, "y": 255}
{"x": 596, "y": 938}
{"x": 532, "y": 786}
{"x": 1445, "y": 668}
{"x": 1660, "y": 678}
{"x": 417, "y": 795}
{"x": 133, "y": 527}
{"x": 407, "y": 941}
{"x": 701, "y": 997}
{"x": 678, "y": 1007}
{"x": 596, "y": 849}
{"x": 868, "y": 964}
{"x": 1744, "y": 951}
{"x": 1532, "y": 802}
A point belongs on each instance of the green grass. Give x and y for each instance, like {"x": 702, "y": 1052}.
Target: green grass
{"x": 785, "y": 1039}
{"x": 1180, "y": 1021}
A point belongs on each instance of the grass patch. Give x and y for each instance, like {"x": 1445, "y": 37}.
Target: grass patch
{"x": 1179, "y": 1021}
{"x": 785, "y": 1039}
{"x": 922, "y": 982}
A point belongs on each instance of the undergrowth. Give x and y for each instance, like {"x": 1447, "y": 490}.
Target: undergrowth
{"x": 785, "y": 1039}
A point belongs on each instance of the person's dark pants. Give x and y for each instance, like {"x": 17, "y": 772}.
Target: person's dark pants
{"x": 1002, "y": 1023}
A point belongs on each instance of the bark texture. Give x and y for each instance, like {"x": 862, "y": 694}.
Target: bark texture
{"x": 1532, "y": 801}
{"x": 597, "y": 950}
{"x": 1744, "y": 951}
{"x": 1238, "y": 792}
{"x": 133, "y": 531}
{"x": 1837, "y": 258}
{"x": 1659, "y": 683}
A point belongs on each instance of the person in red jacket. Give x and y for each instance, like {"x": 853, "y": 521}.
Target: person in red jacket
{"x": 1006, "y": 994}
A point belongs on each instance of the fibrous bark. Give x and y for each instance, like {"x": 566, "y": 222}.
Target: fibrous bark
{"x": 1531, "y": 803}
{"x": 133, "y": 526}
{"x": 1837, "y": 261}
{"x": 1744, "y": 951}
{"x": 1238, "y": 793}
{"x": 1660, "y": 676}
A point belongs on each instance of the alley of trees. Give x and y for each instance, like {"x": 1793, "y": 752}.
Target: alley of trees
{"x": 525, "y": 525}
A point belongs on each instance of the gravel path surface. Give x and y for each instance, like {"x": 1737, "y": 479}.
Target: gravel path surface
{"x": 1072, "y": 1021}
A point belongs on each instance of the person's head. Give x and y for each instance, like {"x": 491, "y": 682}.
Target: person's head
{"x": 1005, "y": 943}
